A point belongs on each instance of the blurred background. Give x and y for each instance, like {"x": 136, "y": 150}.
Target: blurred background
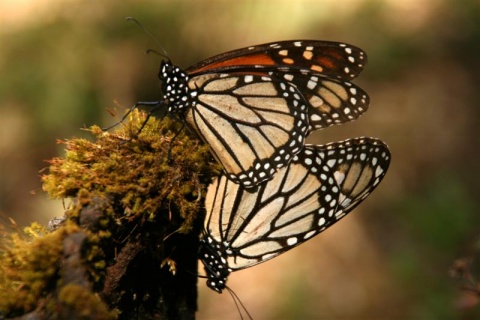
{"x": 63, "y": 63}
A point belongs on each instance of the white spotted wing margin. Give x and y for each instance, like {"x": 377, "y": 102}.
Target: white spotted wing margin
{"x": 244, "y": 227}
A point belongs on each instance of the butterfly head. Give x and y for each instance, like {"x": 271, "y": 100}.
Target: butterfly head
{"x": 213, "y": 257}
{"x": 178, "y": 96}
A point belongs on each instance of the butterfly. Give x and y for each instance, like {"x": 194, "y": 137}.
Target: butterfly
{"x": 244, "y": 226}
{"x": 254, "y": 106}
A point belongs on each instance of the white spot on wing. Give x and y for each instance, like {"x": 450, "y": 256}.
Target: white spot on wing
{"x": 311, "y": 84}
{"x": 339, "y": 177}
{"x": 292, "y": 241}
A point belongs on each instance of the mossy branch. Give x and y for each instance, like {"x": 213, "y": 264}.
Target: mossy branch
{"x": 127, "y": 246}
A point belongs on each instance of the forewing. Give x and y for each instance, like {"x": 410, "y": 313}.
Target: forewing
{"x": 253, "y": 124}
{"x": 332, "y": 59}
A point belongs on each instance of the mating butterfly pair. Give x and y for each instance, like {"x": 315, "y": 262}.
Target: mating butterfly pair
{"x": 254, "y": 107}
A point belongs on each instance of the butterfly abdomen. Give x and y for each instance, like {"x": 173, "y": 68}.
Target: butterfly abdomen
{"x": 212, "y": 254}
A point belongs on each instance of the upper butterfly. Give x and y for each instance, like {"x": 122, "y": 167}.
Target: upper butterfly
{"x": 255, "y": 106}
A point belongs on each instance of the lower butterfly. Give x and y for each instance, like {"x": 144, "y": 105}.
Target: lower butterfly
{"x": 244, "y": 227}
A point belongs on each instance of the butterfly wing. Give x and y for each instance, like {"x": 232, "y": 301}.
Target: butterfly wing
{"x": 317, "y": 68}
{"x": 319, "y": 187}
{"x": 253, "y": 124}
{"x": 329, "y": 101}
{"x": 358, "y": 166}
{"x": 332, "y": 59}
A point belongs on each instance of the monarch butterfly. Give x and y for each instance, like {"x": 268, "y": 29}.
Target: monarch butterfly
{"x": 254, "y": 106}
{"x": 244, "y": 227}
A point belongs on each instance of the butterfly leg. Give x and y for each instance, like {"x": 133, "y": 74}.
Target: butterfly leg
{"x": 173, "y": 139}
{"x": 154, "y": 104}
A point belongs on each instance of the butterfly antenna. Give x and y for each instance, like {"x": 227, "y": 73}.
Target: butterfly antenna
{"x": 164, "y": 54}
{"x": 238, "y": 303}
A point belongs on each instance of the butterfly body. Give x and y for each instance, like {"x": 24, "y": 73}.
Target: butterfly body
{"x": 178, "y": 96}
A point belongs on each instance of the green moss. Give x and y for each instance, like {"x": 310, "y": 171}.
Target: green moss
{"x": 134, "y": 170}
{"x": 29, "y": 267}
{"x": 119, "y": 181}
{"x": 83, "y": 303}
